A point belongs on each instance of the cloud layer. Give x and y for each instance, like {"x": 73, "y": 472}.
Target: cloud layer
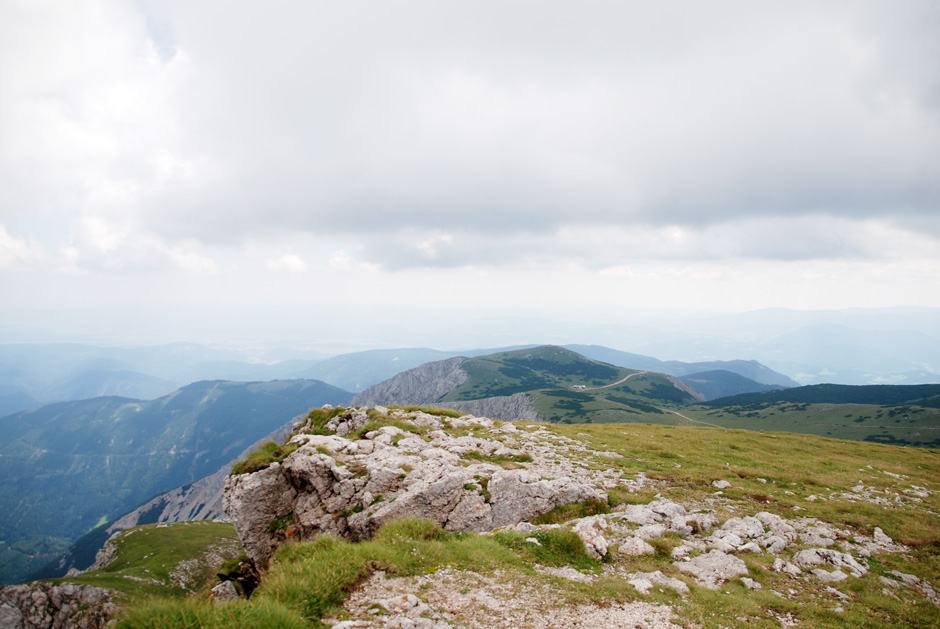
{"x": 321, "y": 137}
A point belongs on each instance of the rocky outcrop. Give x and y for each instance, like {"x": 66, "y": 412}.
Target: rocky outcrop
{"x": 466, "y": 474}
{"x": 47, "y": 606}
{"x": 427, "y": 384}
{"x": 504, "y": 407}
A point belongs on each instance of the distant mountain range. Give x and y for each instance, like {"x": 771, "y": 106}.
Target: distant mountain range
{"x": 70, "y": 466}
{"x": 33, "y": 375}
{"x": 750, "y": 369}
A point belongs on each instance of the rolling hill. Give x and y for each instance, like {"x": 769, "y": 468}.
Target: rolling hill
{"x": 750, "y": 369}
{"x": 550, "y": 383}
{"x": 719, "y": 383}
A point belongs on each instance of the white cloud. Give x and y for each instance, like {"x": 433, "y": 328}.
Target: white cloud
{"x": 288, "y": 262}
{"x": 16, "y": 251}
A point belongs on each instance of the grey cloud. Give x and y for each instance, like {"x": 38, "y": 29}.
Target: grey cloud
{"x": 776, "y": 239}
{"x": 514, "y": 121}
{"x": 519, "y": 118}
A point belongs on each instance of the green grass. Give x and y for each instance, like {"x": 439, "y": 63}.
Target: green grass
{"x": 263, "y": 457}
{"x": 565, "y": 513}
{"x": 147, "y": 556}
{"x": 892, "y": 425}
{"x": 259, "y": 614}
{"x": 308, "y": 581}
{"x": 794, "y": 467}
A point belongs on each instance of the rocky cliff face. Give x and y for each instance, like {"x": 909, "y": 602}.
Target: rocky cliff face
{"x": 431, "y": 382}
{"x": 422, "y": 385}
{"x": 504, "y": 407}
{"x": 64, "y": 606}
{"x": 467, "y": 474}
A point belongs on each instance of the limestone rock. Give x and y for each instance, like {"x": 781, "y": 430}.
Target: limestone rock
{"x": 785, "y": 567}
{"x": 714, "y": 568}
{"x": 62, "y": 606}
{"x": 505, "y": 407}
{"x": 644, "y": 581}
{"x": 335, "y": 485}
{"x": 829, "y": 577}
{"x": 254, "y": 501}
{"x": 821, "y": 556}
{"x": 591, "y": 532}
{"x": 751, "y": 584}
{"x": 422, "y": 385}
{"x": 224, "y": 592}
{"x": 635, "y": 546}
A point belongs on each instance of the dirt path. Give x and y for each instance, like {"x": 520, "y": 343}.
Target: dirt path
{"x": 686, "y": 417}
{"x": 607, "y": 386}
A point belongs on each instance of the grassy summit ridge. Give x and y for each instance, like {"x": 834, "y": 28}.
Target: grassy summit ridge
{"x": 852, "y": 486}
{"x": 566, "y": 385}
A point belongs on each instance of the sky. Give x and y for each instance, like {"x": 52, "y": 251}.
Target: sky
{"x": 372, "y": 172}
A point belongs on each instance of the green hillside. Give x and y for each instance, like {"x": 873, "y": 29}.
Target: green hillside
{"x": 568, "y": 387}
{"x": 880, "y": 394}
{"x": 70, "y": 466}
{"x": 719, "y": 383}
{"x": 167, "y": 560}
{"x": 571, "y": 389}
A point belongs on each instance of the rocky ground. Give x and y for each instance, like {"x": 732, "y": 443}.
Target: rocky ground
{"x": 706, "y": 554}
{"x": 454, "y": 471}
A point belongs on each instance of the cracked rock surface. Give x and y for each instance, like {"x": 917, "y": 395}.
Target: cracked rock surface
{"x": 477, "y": 475}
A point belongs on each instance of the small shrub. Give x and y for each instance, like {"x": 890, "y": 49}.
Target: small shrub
{"x": 319, "y": 417}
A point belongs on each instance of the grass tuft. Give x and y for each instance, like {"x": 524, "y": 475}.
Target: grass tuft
{"x": 263, "y": 457}
{"x": 573, "y": 511}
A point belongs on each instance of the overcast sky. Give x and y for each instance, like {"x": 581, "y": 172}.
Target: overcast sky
{"x": 176, "y": 166}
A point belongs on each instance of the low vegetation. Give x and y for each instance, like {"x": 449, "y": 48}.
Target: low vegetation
{"x": 263, "y": 457}
{"x": 309, "y": 581}
{"x": 165, "y": 560}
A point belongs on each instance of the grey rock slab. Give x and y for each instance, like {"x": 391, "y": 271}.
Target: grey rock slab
{"x": 224, "y": 592}
{"x": 634, "y": 547}
{"x": 820, "y": 556}
{"x": 829, "y": 577}
{"x": 713, "y": 568}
